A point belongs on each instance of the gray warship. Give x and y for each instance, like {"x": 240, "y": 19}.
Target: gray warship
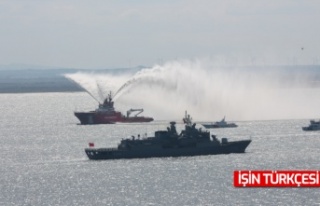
{"x": 220, "y": 124}
{"x": 168, "y": 143}
{"x": 314, "y": 125}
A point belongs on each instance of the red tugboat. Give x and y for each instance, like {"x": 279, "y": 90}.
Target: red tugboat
{"x": 106, "y": 114}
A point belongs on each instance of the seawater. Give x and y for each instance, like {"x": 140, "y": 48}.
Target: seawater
{"x": 43, "y": 160}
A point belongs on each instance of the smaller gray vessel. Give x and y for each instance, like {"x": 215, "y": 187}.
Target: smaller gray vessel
{"x": 220, "y": 124}
{"x": 168, "y": 143}
{"x": 314, "y": 125}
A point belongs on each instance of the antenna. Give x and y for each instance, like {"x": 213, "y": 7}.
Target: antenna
{"x": 100, "y": 91}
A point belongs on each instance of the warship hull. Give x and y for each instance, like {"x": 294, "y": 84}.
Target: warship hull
{"x": 310, "y": 129}
{"x": 211, "y": 126}
{"x": 214, "y": 149}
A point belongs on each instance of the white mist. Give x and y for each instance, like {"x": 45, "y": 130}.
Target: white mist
{"x": 209, "y": 92}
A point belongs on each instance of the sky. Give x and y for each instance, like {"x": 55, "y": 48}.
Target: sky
{"x": 111, "y": 34}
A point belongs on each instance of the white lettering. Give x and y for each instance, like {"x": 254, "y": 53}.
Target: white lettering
{"x": 296, "y": 179}
{"x": 312, "y": 178}
{"x": 274, "y": 179}
{"x": 282, "y": 178}
{"x": 255, "y": 179}
{"x": 290, "y": 179}
{"x": 249, "y": 178}
{"x": 305, "y": 178}
{"x": 244, "y": 179}
{"x": 267, "y": 176}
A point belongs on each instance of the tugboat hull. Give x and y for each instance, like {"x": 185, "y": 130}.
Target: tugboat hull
{"x": 105, "y": 118}
{"x": 214, "y": 149}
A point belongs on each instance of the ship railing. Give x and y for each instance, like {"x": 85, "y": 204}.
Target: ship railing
{"x": 109, "y": 149}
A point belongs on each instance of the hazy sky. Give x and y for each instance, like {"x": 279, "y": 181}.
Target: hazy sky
{"x": 106, "y": 34}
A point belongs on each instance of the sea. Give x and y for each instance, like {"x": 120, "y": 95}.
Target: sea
{"x": 42, "y": 158}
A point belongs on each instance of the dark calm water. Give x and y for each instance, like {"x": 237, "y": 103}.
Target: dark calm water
{"x": 43, "y": 160}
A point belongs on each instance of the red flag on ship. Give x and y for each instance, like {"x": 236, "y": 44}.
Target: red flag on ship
{"x": 91, "y": 144}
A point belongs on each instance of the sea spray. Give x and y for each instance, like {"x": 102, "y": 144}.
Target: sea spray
{"x": 86, "y": 82}
{"x": 98, "y": 85}
{"x": 210, "y": 92}
{"x": 152, "y": 77}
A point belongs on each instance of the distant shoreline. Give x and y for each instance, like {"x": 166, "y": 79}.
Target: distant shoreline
{"x": 53, "y": 80}
{"x": 45, "y": 80}
{"x": 38, "y": 86}
{"x": 39, "y": 91}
